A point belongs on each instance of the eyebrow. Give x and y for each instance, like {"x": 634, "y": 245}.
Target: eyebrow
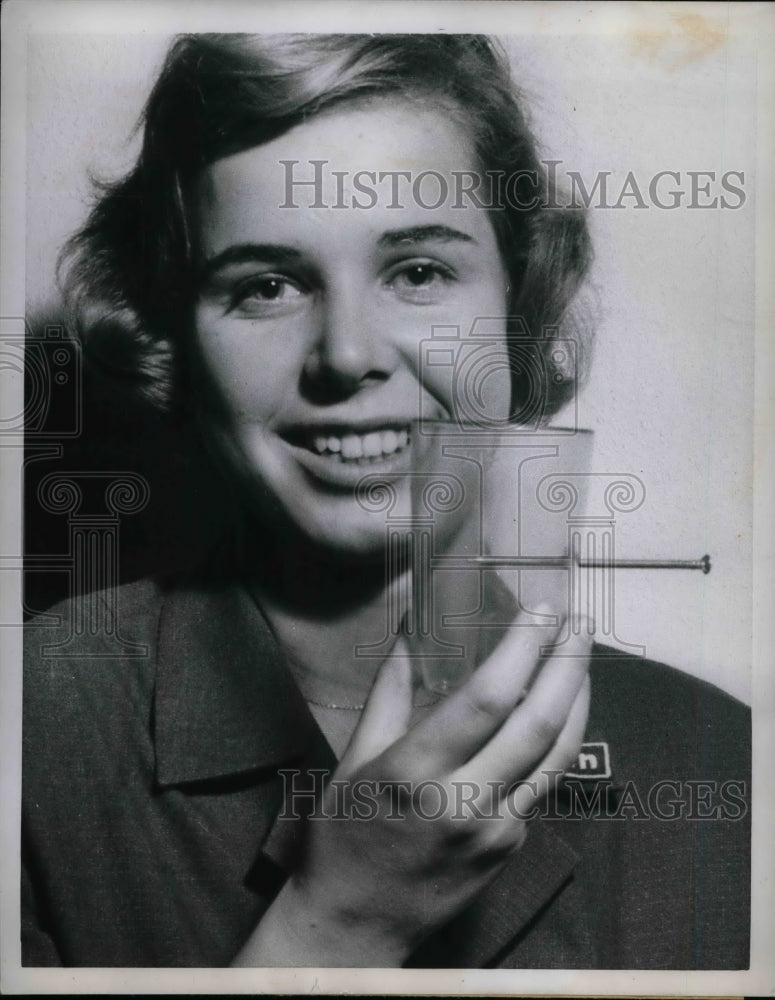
{"x": 249, "y": 253}
{"x": 279, "y": 254}
{"x": 423, "y": 234}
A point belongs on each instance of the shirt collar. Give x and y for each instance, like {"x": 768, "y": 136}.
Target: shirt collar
{"x": 225, "y": 702}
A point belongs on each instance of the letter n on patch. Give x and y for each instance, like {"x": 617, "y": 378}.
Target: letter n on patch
{"x": 593, "y": 761}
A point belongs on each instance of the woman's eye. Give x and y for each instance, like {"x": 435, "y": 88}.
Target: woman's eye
{"x": 421, "y": 282}
{"x": 265, "y": 294}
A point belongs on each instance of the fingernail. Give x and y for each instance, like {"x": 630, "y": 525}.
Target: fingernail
{"x": 582, "y": 625}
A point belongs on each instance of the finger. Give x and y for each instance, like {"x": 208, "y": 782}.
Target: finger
{"x": 386, "y": 715}
{"x": 537, "y": 723}
{"x": 463, "y": 723}
{"x": 564, "y": 751}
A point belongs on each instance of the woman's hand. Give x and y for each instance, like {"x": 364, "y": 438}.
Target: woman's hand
{"x": 375, "y": 883}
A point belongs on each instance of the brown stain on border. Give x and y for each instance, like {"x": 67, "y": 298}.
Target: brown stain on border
{"x": 684, "y": 38}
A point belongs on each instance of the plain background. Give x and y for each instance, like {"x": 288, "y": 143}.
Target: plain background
{"x": 670, "y": 397}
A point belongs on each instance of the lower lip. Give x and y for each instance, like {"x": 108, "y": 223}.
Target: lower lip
{"x": 345, "y": 476}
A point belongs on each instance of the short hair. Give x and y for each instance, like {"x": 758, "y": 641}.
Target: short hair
{"x": 131, "y": 265}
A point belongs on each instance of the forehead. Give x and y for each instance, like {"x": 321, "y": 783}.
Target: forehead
{"x": 368, "y": 166}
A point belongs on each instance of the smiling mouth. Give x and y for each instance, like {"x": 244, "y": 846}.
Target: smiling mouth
{"x": 349, "y": 448}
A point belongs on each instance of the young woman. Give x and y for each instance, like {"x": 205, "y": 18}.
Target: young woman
{"x": 270, "y": 268}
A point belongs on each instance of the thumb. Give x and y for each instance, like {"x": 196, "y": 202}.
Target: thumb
{"x": 386, "y": 714}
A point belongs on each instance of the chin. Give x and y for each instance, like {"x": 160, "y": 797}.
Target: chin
{"x": 342, "y": 529}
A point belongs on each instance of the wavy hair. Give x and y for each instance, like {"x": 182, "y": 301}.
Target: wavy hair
{"x": 128, "y": 274}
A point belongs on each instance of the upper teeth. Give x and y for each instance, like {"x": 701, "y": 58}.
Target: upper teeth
{"x": 370, "y": 445}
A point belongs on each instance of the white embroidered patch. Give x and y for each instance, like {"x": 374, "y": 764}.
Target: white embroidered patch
{"x": 593, "y": 761}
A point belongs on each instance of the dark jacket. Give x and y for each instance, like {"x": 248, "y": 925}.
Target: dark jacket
{"x": 151, "y": 793}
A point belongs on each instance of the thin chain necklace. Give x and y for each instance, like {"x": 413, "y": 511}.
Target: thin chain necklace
{"x": 425, "y": 702}
{"x": 341, "y": 708}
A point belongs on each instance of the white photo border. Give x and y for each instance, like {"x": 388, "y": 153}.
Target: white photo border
{"x": 20, "y": 19}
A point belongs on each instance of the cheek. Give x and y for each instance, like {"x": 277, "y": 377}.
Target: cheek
{"x": 471, "y": 375}
{"x": 484, "y": 371}
{"x": 250, "y": 379}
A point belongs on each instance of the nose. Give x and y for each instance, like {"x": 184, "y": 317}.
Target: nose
{"x": 348, "y": 353}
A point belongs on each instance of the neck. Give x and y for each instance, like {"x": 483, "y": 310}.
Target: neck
{"x": 326, "y": 610}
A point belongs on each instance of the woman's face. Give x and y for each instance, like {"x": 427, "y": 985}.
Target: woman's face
{"x": 314, "y": 321}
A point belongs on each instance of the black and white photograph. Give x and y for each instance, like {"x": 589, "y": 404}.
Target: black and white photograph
{"x": 385, "y": 552}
